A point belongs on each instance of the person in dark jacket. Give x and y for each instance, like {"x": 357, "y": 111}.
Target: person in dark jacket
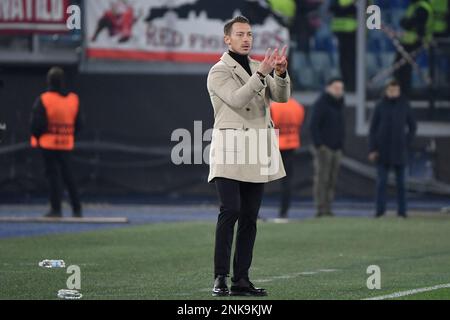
{"x": 328, "y": 132}
{"x": 389, "y": 143}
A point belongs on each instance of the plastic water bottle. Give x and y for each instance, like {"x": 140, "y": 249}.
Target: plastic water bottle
{"x": 52, "y": 263}
{"x": 69, "y": 294}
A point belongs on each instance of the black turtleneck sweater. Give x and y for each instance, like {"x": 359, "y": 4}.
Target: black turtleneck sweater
{"x": 242, "y": 60}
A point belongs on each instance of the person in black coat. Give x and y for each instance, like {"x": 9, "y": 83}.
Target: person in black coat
{"x": 389, "y": 143}
{"x": 327, "y": 127}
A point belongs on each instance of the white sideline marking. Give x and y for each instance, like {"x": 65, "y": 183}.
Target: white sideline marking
{"x": 263, "y": 280}
{"x": 410, "y": 292}
{"x": 306, "y": 273}
{"x": 294, "y": 275}
{"x": 327, "y": 270}
{"x": 284, "y": 277}
{"x": 64, "y": 219}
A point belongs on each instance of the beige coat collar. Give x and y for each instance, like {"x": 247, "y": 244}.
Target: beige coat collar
{"x": 237, "y": 68}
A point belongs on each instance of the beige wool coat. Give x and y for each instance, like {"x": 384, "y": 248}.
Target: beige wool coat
{"x": 244, "y": 146}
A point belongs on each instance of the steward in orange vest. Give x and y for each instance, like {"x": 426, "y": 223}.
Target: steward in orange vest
{"x": 55, "y": 120}
{"x": 288, "y": 118}
{"x": 56, "y": 117}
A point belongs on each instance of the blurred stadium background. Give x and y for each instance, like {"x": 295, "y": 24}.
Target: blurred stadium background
{"x": 122, "y": 160}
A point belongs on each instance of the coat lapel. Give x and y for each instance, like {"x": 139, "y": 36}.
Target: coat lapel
{"x": 254, "y": 64}
{"x": 237, "y": 68}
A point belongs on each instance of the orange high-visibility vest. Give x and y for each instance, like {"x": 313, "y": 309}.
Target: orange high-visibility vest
{"x": 61, "y": 116}
{"x": 288, "y": 118}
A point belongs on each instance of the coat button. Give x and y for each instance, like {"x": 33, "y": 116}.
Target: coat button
{"x": 248, "y": 109}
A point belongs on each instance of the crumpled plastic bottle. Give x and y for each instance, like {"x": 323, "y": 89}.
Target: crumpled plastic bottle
{"x": 69, "y": 294}
{"x": 52, "y": 263}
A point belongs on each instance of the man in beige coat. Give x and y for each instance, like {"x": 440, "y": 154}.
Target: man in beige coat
{"x": 244, "y": 150}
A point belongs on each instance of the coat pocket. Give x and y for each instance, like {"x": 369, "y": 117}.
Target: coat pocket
{"x": 228, "y": 136}
{"x": 230, "y": 125}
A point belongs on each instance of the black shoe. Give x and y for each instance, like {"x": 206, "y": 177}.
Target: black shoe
{"x": 243, "y": 287}
{"x": 379, "y": 215}
{"x": 403, "y": 215}
{"x": 53, "y": 214}
{"x": 220, "y": 286}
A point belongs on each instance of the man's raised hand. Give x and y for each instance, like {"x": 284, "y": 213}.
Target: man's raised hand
{"x": 268, "y": 64}
{"x": 274, "y": 60}
{"x": 281, "y": 62}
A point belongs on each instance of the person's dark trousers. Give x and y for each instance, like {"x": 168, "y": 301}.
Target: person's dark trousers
{"x": 57, "y": 164}
{"x": 382, "y": 179}
{"x": 347, "y": 59}
{"x": 239, "y": 201}
{"x": 326, "y": 170}
{"x": 286, "y": 182}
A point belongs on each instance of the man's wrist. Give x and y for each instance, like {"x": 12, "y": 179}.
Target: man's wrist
{"x": 260, "y": 75}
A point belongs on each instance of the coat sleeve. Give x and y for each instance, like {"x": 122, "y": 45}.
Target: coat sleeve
{"x": 279, "y": 88}
{"x": 316, "y": 119}
{"x": 374, "y": 123}
{"x": 221, "y": 83}
{"x": 38, "y": 118}
{"x": 412, "y": 125}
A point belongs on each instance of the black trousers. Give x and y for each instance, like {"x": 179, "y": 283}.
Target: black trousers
{"x": 347, "y": 59}
{"x": 57, "y": 164}
{"x": 286, "y": 182}
{"x": 239, "y": 201}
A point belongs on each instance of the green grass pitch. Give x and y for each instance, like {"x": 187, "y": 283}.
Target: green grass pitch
{"x": 310, "y": 259}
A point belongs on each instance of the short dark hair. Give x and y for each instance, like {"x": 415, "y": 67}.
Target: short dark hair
{"x": 229, "y": 24}
{"x": 55, "y": 77}
{"x": 392, "y": 83}
{"x": 333, "y": 80}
